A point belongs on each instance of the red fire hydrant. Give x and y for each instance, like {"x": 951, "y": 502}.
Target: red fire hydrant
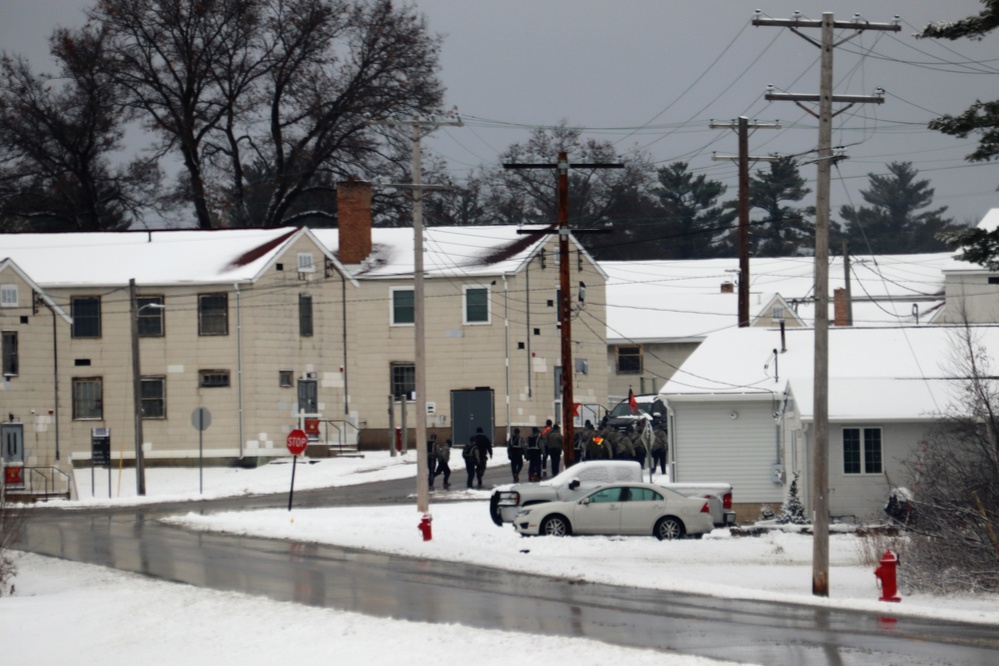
{"x": 886, "y": 577}
{"x": 424, "y": 526}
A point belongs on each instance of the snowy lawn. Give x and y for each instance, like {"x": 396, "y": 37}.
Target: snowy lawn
{"x": 776, "y": 566}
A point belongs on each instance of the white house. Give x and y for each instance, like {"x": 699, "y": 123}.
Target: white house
{"x": 741, "y": 411}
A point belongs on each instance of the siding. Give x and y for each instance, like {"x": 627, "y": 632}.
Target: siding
{"x": 708, "y": 445}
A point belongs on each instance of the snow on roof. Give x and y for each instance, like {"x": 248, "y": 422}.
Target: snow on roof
{"x": 873, "y": 372}
{"x": 239, "y": 255}
{"x": 682, "y": 299}
{"x": 991, "y": 220}
{"x": 447, "y": 251}
{"x": 151, "y": 257}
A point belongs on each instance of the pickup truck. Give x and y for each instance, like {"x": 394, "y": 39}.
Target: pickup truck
{"x": 507, "y": 500}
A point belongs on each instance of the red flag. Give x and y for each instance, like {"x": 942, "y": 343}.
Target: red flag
{"x": 632, "y": 402}
{"x": 575, "y": 409}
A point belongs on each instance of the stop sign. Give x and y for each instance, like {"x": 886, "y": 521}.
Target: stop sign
{"x": 297, "y": 442}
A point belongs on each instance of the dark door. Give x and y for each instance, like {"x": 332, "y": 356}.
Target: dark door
{"x": 308, "y": 396}
{"x": 12, "y": 439}
{"x": 471, "y": 409}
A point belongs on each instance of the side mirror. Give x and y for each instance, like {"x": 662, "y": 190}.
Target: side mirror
{"x": 573, "y": 484}
{"x": 585, "y": 500}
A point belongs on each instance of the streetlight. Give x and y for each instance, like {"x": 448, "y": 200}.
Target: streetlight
{"x": 140, "y": 468}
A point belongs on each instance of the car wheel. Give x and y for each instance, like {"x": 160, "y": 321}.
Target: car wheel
{"x": 556, "y": 526}
{"x": 668, "y": 529}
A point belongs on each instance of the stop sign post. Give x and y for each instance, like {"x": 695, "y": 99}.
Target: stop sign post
{"x": 297, "y": 441}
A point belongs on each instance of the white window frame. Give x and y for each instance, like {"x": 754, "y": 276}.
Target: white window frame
{"x": 392, "y": 292}
{"x": 8, "y": 296}
{"x": 863, "y": 450}
{"x": 464, "y": 305}
{"x": 777, "y": 314}
{"x": 305, "y": 263}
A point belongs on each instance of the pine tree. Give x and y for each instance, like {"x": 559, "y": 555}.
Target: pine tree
{"x": 784, "y": 230}
{"x": 793, "y": 511}
{"x": 898, "y": 220}
{"x": 694, "y": 223}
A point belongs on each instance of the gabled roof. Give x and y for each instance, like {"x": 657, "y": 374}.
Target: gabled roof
{"x": 671, "y": 300}
{"x": 449, "y": 251}
{"x": 874, "y": 373}
{"x": 151, "y": 257}
{"x": 8, "y": 264}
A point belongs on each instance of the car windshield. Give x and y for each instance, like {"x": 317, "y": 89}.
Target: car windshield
{"x": 624, "y": 409}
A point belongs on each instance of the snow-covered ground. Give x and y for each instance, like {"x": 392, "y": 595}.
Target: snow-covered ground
{"x": 99, "y": 605}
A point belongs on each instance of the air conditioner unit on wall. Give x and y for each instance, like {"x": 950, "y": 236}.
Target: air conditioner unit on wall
{"x": 312, "y": 375}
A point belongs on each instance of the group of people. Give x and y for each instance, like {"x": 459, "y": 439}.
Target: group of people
{"x": 639, "y": 442}
{"x": 476, "y": 452}
{"x": 543, "y": 446}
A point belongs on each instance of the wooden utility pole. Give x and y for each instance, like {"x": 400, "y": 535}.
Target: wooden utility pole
{"x": 825, "y": 115}
{"x": 743, "y": 159}
{"x": 565, "y": 300}
{"x": 419, "y": 318}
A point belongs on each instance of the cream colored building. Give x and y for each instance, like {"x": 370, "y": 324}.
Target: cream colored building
{"x": 268, "y": 328}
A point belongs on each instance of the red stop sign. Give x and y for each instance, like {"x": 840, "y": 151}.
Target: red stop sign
{"x": 297, "y": 442}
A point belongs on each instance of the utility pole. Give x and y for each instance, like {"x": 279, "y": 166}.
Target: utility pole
{"x": 825, "y": 115}
{"x": 743, "y": 159}
{"x": 565, "y": 300}
{"x": 140, "y": 465}
{"x": 419, "y": 319}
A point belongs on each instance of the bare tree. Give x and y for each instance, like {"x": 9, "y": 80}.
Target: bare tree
{"x": 285, "y": 88}
{"x": 955, "y": 503}
{"x": 57, "y": 136}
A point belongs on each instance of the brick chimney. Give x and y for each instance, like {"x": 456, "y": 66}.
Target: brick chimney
{"x": 728, "y": 287}
{"x": 353, "y": 205}
{"x": 841, "y": 309}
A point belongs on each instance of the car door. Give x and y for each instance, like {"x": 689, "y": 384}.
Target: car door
{"x": 599, "y": 512}
{"x": 640, "y": 510}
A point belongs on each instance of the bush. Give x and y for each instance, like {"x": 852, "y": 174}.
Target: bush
{"x": 11, "y": 524}
{"x": 793, "y": 511}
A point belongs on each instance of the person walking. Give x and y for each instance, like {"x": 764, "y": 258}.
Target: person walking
{"x": 485, "y": 447}
{"x": 534, "y": 455}
{"x": 470, "y": 454}
{"x": 515, "y": 452}
{"x": 582, "y": 437}
{"x": 660, "y": 447}
{"x": 442, "y": 452}
{"x": 554, "y": 443}
{"x": 597, "y": 448}
{"x": 641, "y": 441}
{"x": 623, "y": 450}
{"x": 432, "y": 459}
{"x": 543, "y": 444}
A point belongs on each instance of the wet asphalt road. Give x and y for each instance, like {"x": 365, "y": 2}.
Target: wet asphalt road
{"x": 436, "y": 591}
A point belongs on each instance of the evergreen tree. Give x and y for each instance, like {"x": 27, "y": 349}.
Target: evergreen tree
{"x": 981, "y": 118}
{"x": 693, "y": 223}
{"x": 785, "y": 230}
{"x": 898, "y": 220}
{"x": 793, "y": 511}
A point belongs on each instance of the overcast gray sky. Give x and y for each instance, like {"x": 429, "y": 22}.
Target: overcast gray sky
{"x": 652, "y": 73}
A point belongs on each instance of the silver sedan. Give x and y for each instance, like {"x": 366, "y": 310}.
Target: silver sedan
{"x": 620, "y": 509}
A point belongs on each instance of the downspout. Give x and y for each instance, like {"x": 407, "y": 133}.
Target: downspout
{"x": 239, "y": 366}
{"x": 55, "y": 376}
{"x": 506, "y": 349}
{"x": 343, "y": 298}
{"x": 671, "y": 439}
{"x": 527, "y": 293}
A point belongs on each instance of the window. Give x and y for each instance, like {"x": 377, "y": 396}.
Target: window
{"x": 153, "y": 392}
{"x": 305, "y": 315}
{"x": 213, "y": 314}
{"x": 629, "y": 360}
{"x": 643, "y": 495}
{"x": 403, "y": 309}
{"x": 150, "y": 316}
{"x": 8, "y": 296}
{"x": 10, "y": 364}
{"x": 285, "y": 378}
{"x": 88, "y": 398}
{"x": 606, "y": 495}
{"x": 403, "y": 377}
{"x": 778, "y": 313}
{"x": 308, "y": 396}
{"x": 862, "y": 451}
{"x": 476, "y": 305}
{"x": 86, "y": 313}
{"x": 305, "y": 264}
{"x": 213, "y": 378}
